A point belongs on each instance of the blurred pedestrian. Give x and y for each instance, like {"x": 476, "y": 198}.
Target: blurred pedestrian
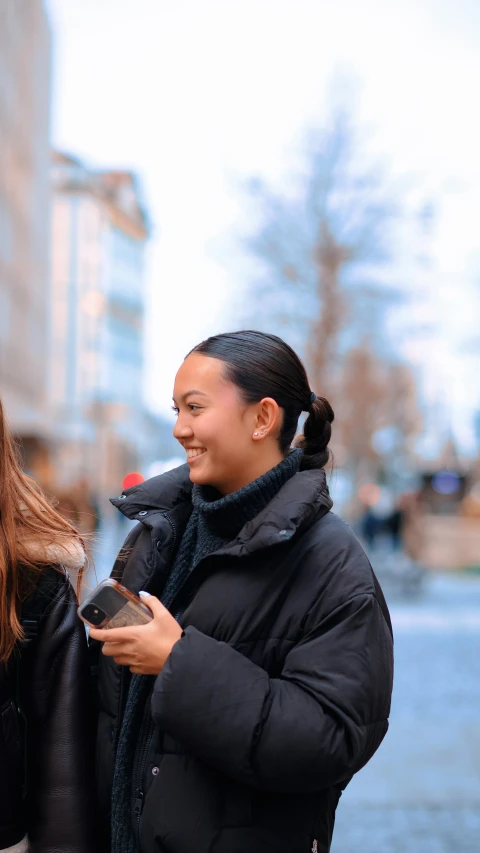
{"x": 369, "y": 526}
{"x": 46, "y": 736}
{"x": 413, "y": 525}
{"x": 79, "y": 507}
{"x": 394, "y": 524}
{"x": 263, "y": 682}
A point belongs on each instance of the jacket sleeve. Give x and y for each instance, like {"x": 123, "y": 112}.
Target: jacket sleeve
{"x": 312, "y": 727}
{"x": 60, "y": 732}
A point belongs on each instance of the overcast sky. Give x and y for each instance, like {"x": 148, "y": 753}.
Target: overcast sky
{"x": 197, "y": 94}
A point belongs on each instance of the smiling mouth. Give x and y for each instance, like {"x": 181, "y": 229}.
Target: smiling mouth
{"x": 194, "y": 452}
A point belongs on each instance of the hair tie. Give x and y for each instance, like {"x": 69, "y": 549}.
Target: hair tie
{"x": 310, "y": 402}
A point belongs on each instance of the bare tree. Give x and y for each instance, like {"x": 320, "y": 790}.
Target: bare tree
{"x": 361, "y": 410}
{"x": 402, "y": 408}
{"x": 375, "y": 396}
{"x": 322, "y": 246}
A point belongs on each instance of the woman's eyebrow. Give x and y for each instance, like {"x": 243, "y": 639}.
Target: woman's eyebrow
{"x": 193, "y": 391}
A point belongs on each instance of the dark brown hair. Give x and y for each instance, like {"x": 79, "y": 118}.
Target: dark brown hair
{"x": 263, "y": 365}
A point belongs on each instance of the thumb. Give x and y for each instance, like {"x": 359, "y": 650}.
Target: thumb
{"x": 152, "y": 602}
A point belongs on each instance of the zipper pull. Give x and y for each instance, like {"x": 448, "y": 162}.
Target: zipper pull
{"x": 315, "y": 846}
{"x": 138, "y": 803}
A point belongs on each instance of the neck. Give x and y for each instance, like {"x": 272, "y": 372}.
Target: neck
{"x": 270, "y": 458}
{"x": 227, "y": 514}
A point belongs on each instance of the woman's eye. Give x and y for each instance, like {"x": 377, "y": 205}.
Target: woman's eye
{"x": 191, "y": 406}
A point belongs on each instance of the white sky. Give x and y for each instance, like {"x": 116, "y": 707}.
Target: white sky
{"x": 198, "y": 94}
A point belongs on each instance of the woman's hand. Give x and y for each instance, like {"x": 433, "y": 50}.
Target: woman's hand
{"x": 143, "y": 648}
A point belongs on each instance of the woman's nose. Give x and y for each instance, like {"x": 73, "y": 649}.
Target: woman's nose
{"x": 181, "y": 430}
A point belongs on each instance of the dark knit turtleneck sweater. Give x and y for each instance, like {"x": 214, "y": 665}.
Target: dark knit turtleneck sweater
{"x": 215, "y": 521}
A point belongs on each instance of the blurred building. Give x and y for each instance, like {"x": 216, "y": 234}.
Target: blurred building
{"x": 24, "y": 220}
{"x": 99, "y": 234}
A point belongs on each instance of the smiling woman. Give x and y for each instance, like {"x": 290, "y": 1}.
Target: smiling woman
{"x": 217, "y": 427}
{"x": 263, "y": 682}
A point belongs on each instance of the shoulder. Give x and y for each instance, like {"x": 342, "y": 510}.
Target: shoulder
{"x": 49, "y": 580}
{"x": 66, "y": 551}
{"x": 332, "y": 529}
{"x": 335, "y": 559}
{"x": 54, "y": 580}
{"x": 53, "y": 589}
{"x": 49, "y": 616}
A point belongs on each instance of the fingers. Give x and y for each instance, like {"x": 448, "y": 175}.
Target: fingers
{"x": 125, "y": 660}
{"x": 114, "y": 650}
{"x": 97, "y": 634}
{"x": 153, "y": 603}
{"x": 124, "y": 657}
{"x": 112, "y": 635}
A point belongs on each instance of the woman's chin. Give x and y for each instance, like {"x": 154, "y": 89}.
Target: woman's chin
{"x": 199, "y": 476}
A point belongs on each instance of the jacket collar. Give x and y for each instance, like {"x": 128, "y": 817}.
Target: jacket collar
{"x": 301, "y": 501}
{"x": 68, "y": 553}
{"x": 297, "y": 505}
{"x": 159, "y": 494}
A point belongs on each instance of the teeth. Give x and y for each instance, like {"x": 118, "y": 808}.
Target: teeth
{"x": 195, "y": 451}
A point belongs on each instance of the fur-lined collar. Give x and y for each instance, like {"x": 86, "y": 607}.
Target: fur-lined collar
{"x": 69, "y": 554}
{"x": 64, "y": 552}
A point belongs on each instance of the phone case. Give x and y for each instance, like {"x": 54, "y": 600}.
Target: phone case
{"x": 112, "y": 605}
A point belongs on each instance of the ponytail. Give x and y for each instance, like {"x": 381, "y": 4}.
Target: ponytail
{"x": 317, "y": 431}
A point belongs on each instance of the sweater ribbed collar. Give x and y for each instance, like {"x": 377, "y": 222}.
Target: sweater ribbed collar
{"x": 226, "y": 515}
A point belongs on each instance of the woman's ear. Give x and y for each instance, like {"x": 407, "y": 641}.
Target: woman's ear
{"x": 268, "y": 418}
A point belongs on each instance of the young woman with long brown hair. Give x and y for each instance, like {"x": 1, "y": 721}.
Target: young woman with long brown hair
{"x": 45, "y": 730}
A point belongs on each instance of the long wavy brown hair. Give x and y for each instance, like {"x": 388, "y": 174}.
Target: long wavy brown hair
{"x": 27, "y": 518}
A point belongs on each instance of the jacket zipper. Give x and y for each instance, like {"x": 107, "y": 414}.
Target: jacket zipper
{"x": 145, "y": 738}
{"x": 147, "y": 729}
{"x": 174, "y": 531}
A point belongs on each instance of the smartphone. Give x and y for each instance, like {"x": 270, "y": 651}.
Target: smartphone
{"x": 111, "y": 605}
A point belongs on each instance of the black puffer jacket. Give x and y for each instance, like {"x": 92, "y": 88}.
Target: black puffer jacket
{"x": 46, "y": 736}
{"x": 278, "y": 691}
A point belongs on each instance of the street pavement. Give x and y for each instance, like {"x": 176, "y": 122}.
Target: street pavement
{"x": 421, "y": 791}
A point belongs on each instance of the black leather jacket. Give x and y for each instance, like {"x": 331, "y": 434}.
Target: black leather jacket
{"x": 46, "y": 762}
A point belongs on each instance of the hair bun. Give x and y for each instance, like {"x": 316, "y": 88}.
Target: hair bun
{"x": 317, "y": 432}
{"x": 327, "y": 410}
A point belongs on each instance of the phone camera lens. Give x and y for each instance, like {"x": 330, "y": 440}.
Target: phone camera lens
{"x": 93, "y": 614}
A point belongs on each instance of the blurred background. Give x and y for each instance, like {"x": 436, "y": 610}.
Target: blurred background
{"x": 309, "y": 168}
